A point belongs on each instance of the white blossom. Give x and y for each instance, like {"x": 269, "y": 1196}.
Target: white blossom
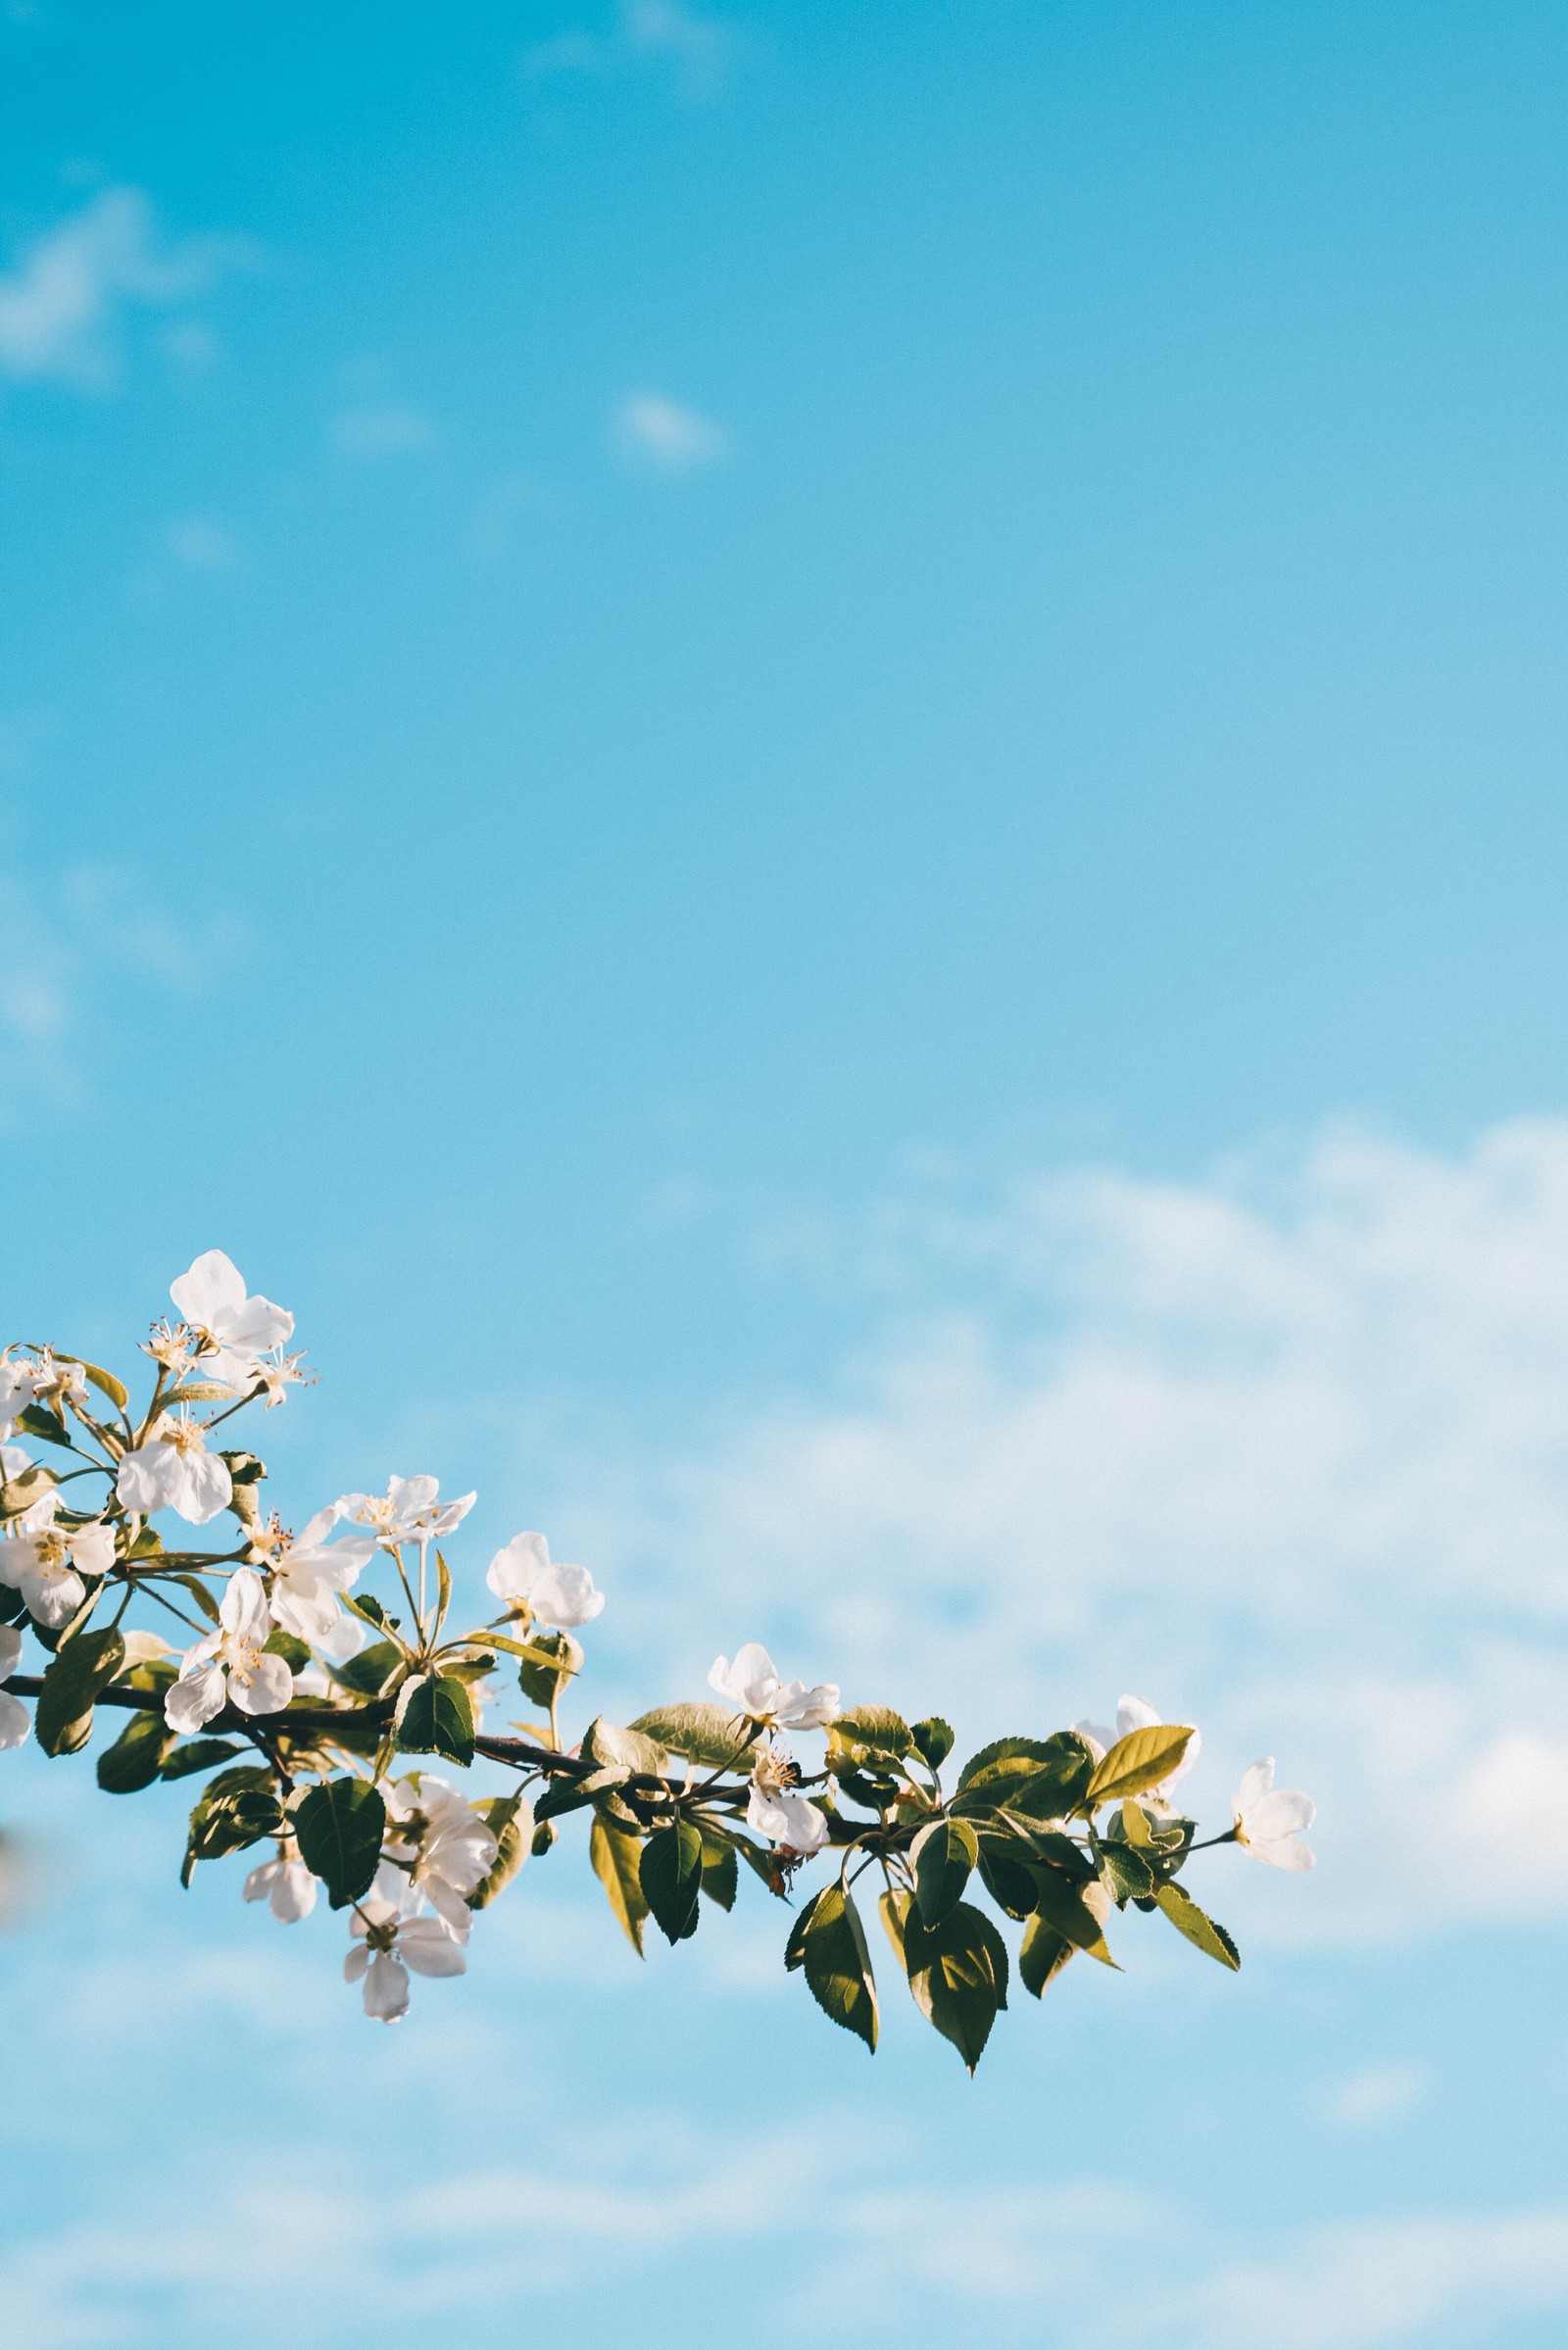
{"x": 1270, "y": 1821}
{"x": 286, "y": 1885}
{"x": 174, "y": 1470}
{"x": 554, "y": 1591}
{"x": 776, "y": 1811}
{"x": 390, "y": 1938}
{"x": 752, "y": 1687}
{"x": 15, "y": 1719}
{"x": 309, "y": 1574}
{"x": 42, "y": 1378}
{"x": 237, "y": 1330}
{"x": 407, "y": 1511}
{"x": 1135, "y": 1713}
{"x": 229, "y": 1663}
{"x": 45, "y": 1562}
{"x": 450, "y": 1848}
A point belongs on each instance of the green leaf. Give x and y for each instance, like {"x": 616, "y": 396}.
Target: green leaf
{"x": 831, "y": 1945}
{"x": 198, "y": 1754}
{"x": 552, "y": 1660}
{"x": 1187, "y": 1918}
{"x": 1125, "y": 1872}
{"x": 958, "y": 1975}
{"x": 1138, "y": 1761}
{"x": 1010, "y": 1884}
{"x": 134, "y": 1759}
{"x": 1041, "y": 1956}
{"x": 201, "y": 1391}
{"x": 295, "y": 1653}
{"x": 720, "y": 1872}
{"x": 1043, "y": 1778}
{"x": 106, "y": 1382}
{"x": 1075, "y": 1913}
{"x": 339, "y": 1826}
{"x": 566, "y": 1794}
{"x": 62, "y": 1721}
{"x": 705, "y": 1733}
{"x": 670, "y": 1874}
{"x": 943, "y": 1856}
{"x": 48, "y": 1426}
{"x": 21, "y": 1492}
{"x": 434, "y": 1717}
{"x": 616, "y": 1749}
{"x": 871, "y": 1730}
{"x": 238, "y": 1807}
{"x": 615, "y": 1856}
{"x": 894, "y": 1909}
{"x": 511, "y": 1821}
{"x": 368, "y": 1673}
{"x": 933, "y": 1741}
{"x": 201, "y": 1595}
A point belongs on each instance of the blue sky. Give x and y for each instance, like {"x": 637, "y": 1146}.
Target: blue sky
{"x": 808, "y": 760}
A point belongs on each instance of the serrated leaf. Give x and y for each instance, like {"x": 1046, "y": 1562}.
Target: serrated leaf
{"x": 720, "y": 1873}
{"x": 704, "y": 1733}
{"x": 832, "y": 1951}
{"x": 616, "y": 1749}
{"x": 1076, "y": 1913}
{"x": 339, "y": 1826}
{"x": 1140, "y": 1761}
{"x": 62, "y": 1721}
{"x": 368, "y": 1673}
{"x": 943, "y": 1857}
{"x": 47, "y": 1426}
{"x": 670, "y": 1874}
{"x": 1205, "y": 1931}
{"x": 871, "y": 1730}
{"x": 1041, "y": 1779}
{"x": 959, "y": 1975}
{"x": 435, "y": 1717}
{"x": 239, "y": 1807}
{"x": 1011, "y": 1885}
{"x": 1125, "y": 1872}
{"x": 197, "y": 1754}
{"x": 933, "y": 1739}
{"x": 1041, "y": 1956}
{"x": 134, "y": 1759}
{"x": 616, "y": 1857}
{"x": 551, "y": 1661}
{"x": 510, "y": 1819}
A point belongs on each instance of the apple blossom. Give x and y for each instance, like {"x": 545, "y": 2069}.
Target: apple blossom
{"x": 233, "y": 1330}
{"x": 1270, "y": 1821}
{"x": 555, "y": 1593}
{"x": 452, "y": 1850}
{"x": 754, "y": 1688}
{"x": 46, "y": 1562}
{"x": 43, "y": 1378}
{"x": 15, "y": 1719}
{"x": 285, "y": 1885}
{"x": 1135, "y": 1713}
{"x": 230, "y": 1665}
{"x": 308, "y": 1575}
{"x": 407, "y": 1511}
{"x": 174, "y": 1470}
{"x": 776, "y": 1811}
{"x": 390, "y": 1938}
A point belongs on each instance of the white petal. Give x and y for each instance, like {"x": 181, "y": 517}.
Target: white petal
{"x": 266, "y": 1689}
{"x": 1135, "y": 1713}
{"x": 293, "y": 1892}
{"x": 412, "y": 1497}
{"x": 257, "y": 1328}
{"x": 92, "y": 1549}
{"x": 1255, "y": 1783}
{"x": 15, "y": 1720}
{"x": 212, "y": 1286}
{"x": 53, "y": 1596}
{"x": 203, "y": 1487}
{"x": 146, "y": 1481}
{"x": 809, "y": 1709}
{"x": 243, "y": 1609}
{"x": 1283, "y": 1813}
{"x": 194, "y": 1699}
{"x": 9, "y": 1650}
{"x": 386, "y": 1988}
{"x": 259, "y": 1883}
{"x": 429, "y": 1949}
{"x": 357, "y": 1959}
{"x": 514, "y": 1567}
{"x": 565, "y": 1595}
{"x": 1283, "y": 1852}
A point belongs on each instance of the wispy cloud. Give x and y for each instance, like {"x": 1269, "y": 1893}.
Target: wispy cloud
{"x": 701, "y": 48}
{"x": 62, "y": 302}
{"x": 1376, "y": 2094}
{"x": 372, "y": 434}
{"x": 650, "y": 430}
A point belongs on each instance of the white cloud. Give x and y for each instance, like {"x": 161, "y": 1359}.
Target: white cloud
{"x": 649, "y": 429}
{"x": 700, "y": 48}
{"x": 1377, "y": 2093}
{"x": 373, "y": 433}
{"x": 1286, "y": 1450}
{"x": 61, "y": 304}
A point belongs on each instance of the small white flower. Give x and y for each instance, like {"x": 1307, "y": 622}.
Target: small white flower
{"x": 389, "y": 1939}
{"x": 309, "y": 1574}
{"x": 555, "y": 1593}
{"x": 40, "y": 1378}
{"x": 46, "y": 1562}
{"x": 752, "y": 1687}
{"x": 276, "y": 1372}
{"x": 407, "y": 1511}
{"x": 1135, "y": 1713}
{"x": 1270, "y": 1820}
{"x": 451, "y": 1849}
{"x": 174, "y": 1470}
{"x": 237, "y": 1330}
{"x": 229, "y": 1664}
{"x": 15, "y": 1719}
{"x": 285, "y": 1885}
{"x": 776, "y": 1811}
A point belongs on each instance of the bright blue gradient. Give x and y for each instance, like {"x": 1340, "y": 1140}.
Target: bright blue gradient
{"x": 1105, "y": 701}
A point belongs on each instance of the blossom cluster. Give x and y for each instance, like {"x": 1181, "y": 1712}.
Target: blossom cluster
{"x": 314, "y": 1707}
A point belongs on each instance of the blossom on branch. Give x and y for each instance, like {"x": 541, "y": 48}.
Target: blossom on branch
{"x": 557, "y": 1594}
{"x": 308, "y": 1575}
{"x": 1135, "y": 1713}
{"x": 230, "y": 1666}
{"x": 752, "y": 1685}
{"x": 452, "y": 1850}
{"x": 235, "y": 1331}
{"x": 390, "y": 1938}
{"x": 776, "y": 1811}
{"x": 46, "y": 1562}
{"x": 407, "y": 1513}
{"x": 174, "y": 1470}
{"x": 285, "y": 1885}
{"x": 1270, "y": 1820}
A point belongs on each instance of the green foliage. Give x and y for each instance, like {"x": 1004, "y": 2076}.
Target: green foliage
{"x": 1138, "y": 1761}
{"x": 136, "y": 1757}
{"x": 870, "y": 1734}
{"x": 339, "y": 1826}
{"x": 933, "y": 1741}
{"x": 1041, "y": 1956}
{"x": 958, "y": 1975}
{"x": 944, "y": 1856}
{"x": 546, "y": 1664}
{"x": 704, "y": 1733}
{"x": 615, "y": 1855}
{"x": 671, "y": 1875}
{"x": 295, "y": 1653}
{"x": 627, "y": 1750}
{"x": 435, "y": 1717}
{"x": 828, "y": 1941}
{"x": 1187, "y": 1918}
{"x": 238, "y": 1807}
{"x": 511, "y": 1821}
{"x": 62, "y": 1723}
{"x": 368, "y": 1673}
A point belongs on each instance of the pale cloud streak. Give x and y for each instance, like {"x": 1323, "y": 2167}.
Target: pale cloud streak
{"x": 63, "y": 300}
{"x": 652, "y": 431}
{"x": 700, "y": 48}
